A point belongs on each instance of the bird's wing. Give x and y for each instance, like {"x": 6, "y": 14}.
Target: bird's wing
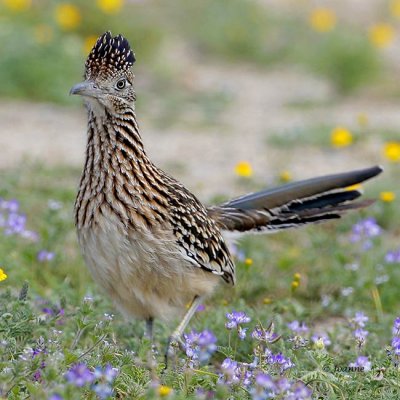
{"x": 199, "y": 238}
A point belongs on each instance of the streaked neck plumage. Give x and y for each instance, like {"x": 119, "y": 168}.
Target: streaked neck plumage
{"x": 115, "y": 158}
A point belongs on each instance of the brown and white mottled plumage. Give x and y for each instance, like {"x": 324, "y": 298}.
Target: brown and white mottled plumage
{"x": 146, "y": 239}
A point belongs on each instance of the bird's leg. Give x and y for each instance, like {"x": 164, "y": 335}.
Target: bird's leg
{"x": 152, "y": 351}
{"x": 149, "y": 329}
{"x": 149, "y": 333}
{"x": 176, "y": 338}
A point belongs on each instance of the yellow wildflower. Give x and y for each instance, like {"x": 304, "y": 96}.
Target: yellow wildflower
{"x": 43, "y": 33}
{"x": 356, "y": 186}
{"x": 89, "y": 43}
{"x": 387, "y": 197}
{"x": 395, "y": 8}
{"x": 381, "y": 35}
{"x": 18, "y": 5}
{"x": 296, "y": 276}
{"x": 110, "y": 6}
{"x": 285, "y": 176}
{"x": 3, "y": 275}
{"x": 248, "y": 262}
{"x": 244, "y": 169}
{"x": 322, "y": 19}
{"x": 68, "y": 16}
{"x": 164, "y": 391}
{"x": 224, "y": 302}
{"x": 295, "y": 285}
{"x": 362, "y": 120}
{"x": 267, "y": 300}
{"x": 392, "y": 151}
{"x": 341, "y": 137}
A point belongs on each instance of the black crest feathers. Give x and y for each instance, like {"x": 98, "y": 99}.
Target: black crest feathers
{"x": 109, "y": 54}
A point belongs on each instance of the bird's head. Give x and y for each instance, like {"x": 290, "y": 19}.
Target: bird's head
{"x": 108, "y": 80}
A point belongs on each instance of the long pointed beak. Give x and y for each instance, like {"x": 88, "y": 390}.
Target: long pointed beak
{"x": 85, "y": 88}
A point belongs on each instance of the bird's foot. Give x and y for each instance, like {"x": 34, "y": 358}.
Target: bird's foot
{"x": 175, "y": 343}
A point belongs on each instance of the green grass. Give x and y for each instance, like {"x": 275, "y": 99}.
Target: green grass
{"x": 320, "y": 254}
{"x": 344, "y": 56}
{"x": 237, "y": 31}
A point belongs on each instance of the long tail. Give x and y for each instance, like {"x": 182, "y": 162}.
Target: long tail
{"x": 295, "y": 204}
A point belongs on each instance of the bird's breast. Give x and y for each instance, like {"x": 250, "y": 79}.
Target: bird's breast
{"x": 142, "y": 270}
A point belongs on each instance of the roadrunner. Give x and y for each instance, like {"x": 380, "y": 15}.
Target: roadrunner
{"x": 147, "y": 240}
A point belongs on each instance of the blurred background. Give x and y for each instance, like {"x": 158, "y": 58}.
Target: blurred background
{"x": 227, "y": 89}
{"x": 233, "y": 96}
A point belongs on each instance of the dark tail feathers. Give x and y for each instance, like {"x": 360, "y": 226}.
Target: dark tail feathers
{"x": 295, "y": 204}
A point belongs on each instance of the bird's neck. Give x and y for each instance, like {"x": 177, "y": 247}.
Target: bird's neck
{"x": 116, "y": 133}
{"x": 115, "y": 150}
{"x": 116, "y": 162}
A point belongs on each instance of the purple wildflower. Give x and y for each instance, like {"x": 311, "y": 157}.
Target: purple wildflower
{"x": 246, "y": 377}
{"x": 44, "y": 255}
{"x": 396, "y": 345}
{"x": 235, "y": 319}
{"x": 360, "y": 334}
{"x": 55, "y": 396}
{"x": 279, "y": 360}
{"x": 267, "y": 388}
{"x": 200, "y": 308}
{"x": 200, "y": 346}
{"x": 299, "y": 392}
{"x": 393, "y": 257}
{"x": 297, "y": 328}
{"x": 361, "y": 362}
{"x": 56, "y": 312}
{"x": 15, "y": 224}
{"x": 37, "y": 376}
{"x": 242, "y": 332}
{"x": 36, "y": 351}
{"x": 364, "y": 230}
{"x": 30, "y": 235}
{"x": 396, "y": 326}
{"x": 104, "y": 379}
{"x": 79, "y": 375}
{"x": 10, "y": 205}
{"x": 282, "y": 361}
{"x": 108, "y": 374}
{"x": 236, "y": 252}
{"x": 360, "y": 319}
{"x": 229, "y": 369}
{"x": 265, "y": 381}
{"x": 234, "y": 373}
{"x": 264, "y": 386}
{"x": 202, "y": 394}
{"x": 103, "y": 390}
{"x": 282, "y": 385}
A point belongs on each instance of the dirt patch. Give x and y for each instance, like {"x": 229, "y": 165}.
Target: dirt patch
{"x": 205, "y": 160}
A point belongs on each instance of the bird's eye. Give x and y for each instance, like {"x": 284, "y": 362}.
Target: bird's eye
{"x": 121, "y": 84}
